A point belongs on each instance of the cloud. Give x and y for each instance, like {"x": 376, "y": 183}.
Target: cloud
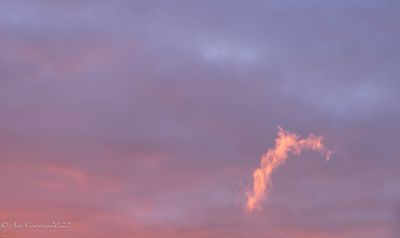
{"x": 285, "y": 143}
{"x": 123, "y": 116}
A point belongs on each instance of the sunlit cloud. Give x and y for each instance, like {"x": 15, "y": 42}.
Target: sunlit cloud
{"x": 285, "y": 144}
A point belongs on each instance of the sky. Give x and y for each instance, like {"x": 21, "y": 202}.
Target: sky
{"x": 147, "y": 118}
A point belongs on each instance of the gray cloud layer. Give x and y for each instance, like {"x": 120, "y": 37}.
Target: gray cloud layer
{"x": 143, "y": 107}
